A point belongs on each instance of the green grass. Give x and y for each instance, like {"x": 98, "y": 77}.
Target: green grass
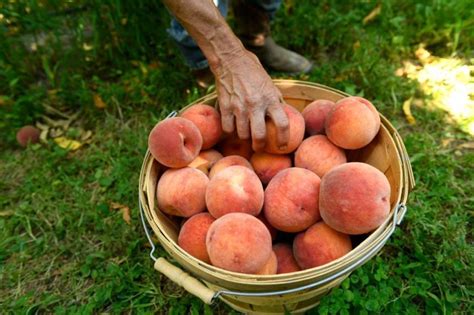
{"x": 64, "y": 250}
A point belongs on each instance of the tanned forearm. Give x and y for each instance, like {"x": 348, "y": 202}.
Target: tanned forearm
{"x": 208, "y": 28}
{"x": 245, "y": 91}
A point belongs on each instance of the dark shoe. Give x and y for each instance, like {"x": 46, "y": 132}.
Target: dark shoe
{"x": 253, "y": 29}
{"x": 204, "y": 77}
{"x": 278, "y": 58}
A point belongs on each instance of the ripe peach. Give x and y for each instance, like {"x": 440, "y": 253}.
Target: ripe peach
{"x": 354, "y": 198}
{"x": 286, "y": 261}
{"x": 27, "y": 134}
{"x": 267, "y": 165}
{"x": 230, "y": 160}
{"x": 182, "y": 191}
{"x": 175, "y": 142}
{"x": 320, "y": 245}
{"x": 291, "y": 200}
{"x": 192, "y": 236}
{"x": 208, "y": 121}
{"x": 296, "y": 126}
{"x": 319, "y": 155}
{"x": 315, "y": 116}
{"x": 353, "y": 123}
{"x": 270, "y": 267}
{"x": 369, "y": 105}
{"x": 234, "y": 189}
{"x": 206, "y": 160}
{"x": 239, "y": 242}
{"x": 233, "y": 145}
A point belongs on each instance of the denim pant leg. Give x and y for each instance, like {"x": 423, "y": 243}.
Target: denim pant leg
{"x": 190, "y": 50}
{"x": 269, "y": 6}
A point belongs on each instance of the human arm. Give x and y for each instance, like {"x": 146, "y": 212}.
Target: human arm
{"x": 245, "y": 91}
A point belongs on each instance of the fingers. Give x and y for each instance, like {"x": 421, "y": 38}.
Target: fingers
{"x": 227, "y": 115}
{"x": 258, "y": 127}
{"x": 242, "y": 122}
{"x": 227, "y": 118}
{"x": 280, "y": 119}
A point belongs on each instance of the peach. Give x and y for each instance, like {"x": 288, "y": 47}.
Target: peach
{"x": 271, "y": 229}
{"x": 206, "y": 160}
{"x": 239, "y": 242}
{"x": 208, "y": 121}
{"x": 291, "y": 200}
{"x": 267, "y": 165}
{"x": 369, "y": 105}
{"x": 315, "y": 116}
{"x": 320, "y": 245}
{"x": 270, "y": 268}
{"x": 234, "y": 189}
{"x": 354, "y": 198}
{"x": 286, "y": 261}
{"x": 296, "y": 128}
{"x": 175, "y": 142}
{"x": 230, "y": 160}
{"x": 233, "y": 145}
{"x": 319, "y": 155}
{"x": 192, "y": 236}
{"x": 353, "y": 123}
{"x": 182, "y": 191}
{"x": 28, "y": 134}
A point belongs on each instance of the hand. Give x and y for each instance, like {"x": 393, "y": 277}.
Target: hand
{"x": 246, "y": 93}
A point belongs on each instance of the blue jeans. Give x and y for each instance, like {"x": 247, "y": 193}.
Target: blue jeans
{"x": 190, "y": 50}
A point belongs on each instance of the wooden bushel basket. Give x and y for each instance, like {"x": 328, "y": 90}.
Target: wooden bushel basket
{"x": 292, "y": 292}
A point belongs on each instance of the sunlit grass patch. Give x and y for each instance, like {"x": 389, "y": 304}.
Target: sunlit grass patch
{"x": 448, "y": 84}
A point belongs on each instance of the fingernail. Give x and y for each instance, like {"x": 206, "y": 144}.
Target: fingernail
{"x": 282, "y": 148}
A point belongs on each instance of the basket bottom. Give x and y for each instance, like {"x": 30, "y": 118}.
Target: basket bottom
{"x": 294, "y": 303}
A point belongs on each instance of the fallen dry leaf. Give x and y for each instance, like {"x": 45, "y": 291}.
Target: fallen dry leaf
{"x": 356, "y": 45}
{"x": 116, "y": 205}
{"x": 467, "y": 145}
{"x": 6, "y": 213}
{"x": 4, "y": 100}
{"x": 67, "y": 144}
{"x": 124, "y": 209}
{"x": 85, "y": 135}
{"x": 126, "y": 215}
{"x": 99, "y": 102}
{"x": 44, "y": 136}
{"x": 446, "y": 142}
{"x": 422, "y": 54}
{"x": 407, "y": 111}
{"x": 373, "y": 14}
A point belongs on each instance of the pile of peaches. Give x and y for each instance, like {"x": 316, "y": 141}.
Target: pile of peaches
{"x": 281, "y": 210}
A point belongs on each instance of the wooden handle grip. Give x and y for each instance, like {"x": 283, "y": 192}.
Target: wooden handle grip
{"x": 183, "y": 279}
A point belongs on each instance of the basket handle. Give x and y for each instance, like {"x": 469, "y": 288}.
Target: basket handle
{"x": 184, "y": 280}
{"x": 181, "y": 278}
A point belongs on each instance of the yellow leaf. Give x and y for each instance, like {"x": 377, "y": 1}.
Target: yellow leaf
{"x": 124, "y": 209}
{"x": 87, "y": 47}
{"x": 467, "y": 145}
{"x": 116, "y": 205}
{"x": 407, "y": 111}
{"x": 68, "y": 144}
{"x": 6, "y": 213}
{"x": 98, "y": 102}
{"x": 143, "y": 69}
{"x": 373, "y": 14}
{"x": 356, "y": 45}
{"x": 126, "y": 215}
{"x": 4, "y": 100}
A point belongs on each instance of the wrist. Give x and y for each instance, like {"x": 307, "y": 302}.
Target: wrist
{"x": 224, "y": 47}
